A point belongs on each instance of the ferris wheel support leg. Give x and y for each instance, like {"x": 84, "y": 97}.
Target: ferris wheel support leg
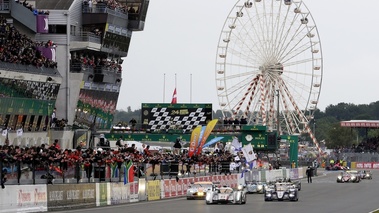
{"x": 314, "y": 140}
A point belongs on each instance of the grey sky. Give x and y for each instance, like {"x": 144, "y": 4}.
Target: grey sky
{"x": 181, "y": 37}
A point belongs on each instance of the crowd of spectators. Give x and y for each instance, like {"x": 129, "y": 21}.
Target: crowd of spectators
{"x": 367, "y": 145}
{"x": 85, "y": 61}
{"x": 96, "y": 5}
{"x": 31, "y": 8}
{"x": 46, "y": 157}
{"x": 231, "y": 123}
{"x": 19, "y": 49}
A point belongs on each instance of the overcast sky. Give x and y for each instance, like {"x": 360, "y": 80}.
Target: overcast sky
{"x": 180, "y": 39}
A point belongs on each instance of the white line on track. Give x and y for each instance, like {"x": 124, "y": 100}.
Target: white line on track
{"x": 121, "y": 205}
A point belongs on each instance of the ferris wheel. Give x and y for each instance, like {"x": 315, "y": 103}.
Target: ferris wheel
{"x": 269, "y": 65}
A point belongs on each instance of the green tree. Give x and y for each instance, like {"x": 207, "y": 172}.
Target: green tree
{"x": 340, "y": 137}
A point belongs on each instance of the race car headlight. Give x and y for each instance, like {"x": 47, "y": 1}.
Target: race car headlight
{"x": 240, "y": 187}
{"x": 353, "y": 177}
{"x": 260, "y": 187}
{"x": 268, "y": 194}
{"x": 200, "y": 193}
{"x": 339, "y": 177}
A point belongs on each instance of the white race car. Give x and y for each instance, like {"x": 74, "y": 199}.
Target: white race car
{"x": 282, "y": 191}
{"x": 256, "y": 187}
{"x": 226, "y": 195}
{"x": 198, "y": 190}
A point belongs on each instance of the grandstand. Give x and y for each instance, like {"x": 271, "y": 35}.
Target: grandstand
{"x": 65, "y": 55}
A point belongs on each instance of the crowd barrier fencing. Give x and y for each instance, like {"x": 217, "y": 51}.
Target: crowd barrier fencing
{"x": 23, "y": 173}
{"x": 43, "y": 197}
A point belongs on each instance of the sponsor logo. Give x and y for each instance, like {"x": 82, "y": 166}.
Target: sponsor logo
{"x": 23, "y": 197}
{"x": 39, "y": 197}
{"x": 73, "y": 194}
{"x": 88, "y": 193}
{"x": 55, "y": 195}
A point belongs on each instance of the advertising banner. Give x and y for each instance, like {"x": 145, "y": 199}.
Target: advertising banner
{"x": 102, "y": 194}
{"x": 154, "y": 190}
{"x": 26, "y": 198}
{"x": 133, "y": 189}
{"x": 186, "y": 183}
{"x": 173, "y": 184}
{"x": 166, "y": 189}
{"x": 62, "y": 196}
{"x": 42, "y": 23}
{"x": 364, "y": 165}
{"x": 119, "y": 193}
{"x": 179, "y": 187}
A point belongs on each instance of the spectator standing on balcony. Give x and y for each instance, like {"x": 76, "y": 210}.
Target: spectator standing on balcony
{"x": 90, "y": 6}
{"x": 243, "y": 121}
{"x": 54, "y": 118}
{"x": 119, "y": 142}
{"x": 133, "y": 123}
{"x": 177, "y": 146}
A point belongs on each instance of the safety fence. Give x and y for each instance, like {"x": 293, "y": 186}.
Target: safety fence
{"x": 50, "y": 197}
{"x": 86, "y": 172}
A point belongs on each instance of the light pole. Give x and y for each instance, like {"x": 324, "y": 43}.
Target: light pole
{"x": 50, "y": 121}
{"x": 278, "y": 114}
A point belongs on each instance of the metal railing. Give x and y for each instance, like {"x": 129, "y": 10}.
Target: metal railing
{"x": 29, "y": 69}
{"x": 83, "y": 172}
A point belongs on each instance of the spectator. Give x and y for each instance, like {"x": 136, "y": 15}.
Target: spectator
{"x": 54, "y": 118}
{"x": 56, "y": 144}
{"x": 119, "y": 142}
{"x": 133, "y": 123}
{"x": 177, "y": 146}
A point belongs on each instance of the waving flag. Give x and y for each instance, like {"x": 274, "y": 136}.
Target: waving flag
{"x": 128, "y": 172}
{"x": 248, "y": 152}
{"x": 201, "y": 135}
{"x": 207, "y": 132}
{"x": 174, "y": 100}
{"x": 19, "y": 132}
{"x": 114, "y": 170}
{"x": 214, "y": 140}
{"x": 194, "y": 140}
{"x": 5, "y": 132}
{"x": 236, "y": 144}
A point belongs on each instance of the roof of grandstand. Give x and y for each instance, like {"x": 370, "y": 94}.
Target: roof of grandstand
{"x": 360, "y": 123}
{"x": 54, "y": 4}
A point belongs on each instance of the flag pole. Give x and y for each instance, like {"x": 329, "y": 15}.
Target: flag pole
{"x": 164, "y": 85}
{"x": 191, "y": 88}
{"x": 175, "y": 87}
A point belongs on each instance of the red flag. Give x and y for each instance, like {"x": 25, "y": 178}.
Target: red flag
{"x": 173, "y": 101}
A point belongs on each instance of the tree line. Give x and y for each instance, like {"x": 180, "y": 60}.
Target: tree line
{"x": 326, "y": 124}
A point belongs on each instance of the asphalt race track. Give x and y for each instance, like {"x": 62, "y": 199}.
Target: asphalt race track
{"x": 324, "y": 195}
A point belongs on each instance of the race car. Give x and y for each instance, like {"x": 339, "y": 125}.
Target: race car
{"x": 281, "y": 191}
{"x": 226, "y": 195}
{"x": 365, "y": 174}
{"x": 296, "y": 183}
{"x": 198, "y": 190}
{"x": 351, "y": 176}
{"x": 256, "y": 187}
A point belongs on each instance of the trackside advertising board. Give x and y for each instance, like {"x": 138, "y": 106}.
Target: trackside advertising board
{"x": 27, "y": 198}
{"x": 63, "y": 196}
